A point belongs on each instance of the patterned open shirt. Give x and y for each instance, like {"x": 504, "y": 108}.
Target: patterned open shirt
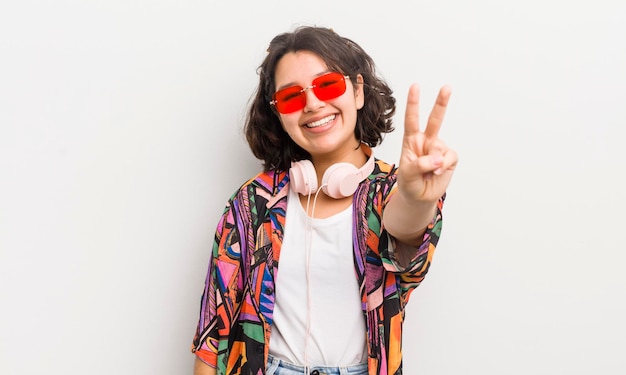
{"x": 237, "y": 304}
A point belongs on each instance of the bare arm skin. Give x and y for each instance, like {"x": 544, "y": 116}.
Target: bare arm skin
{"x": 201, "y": 368}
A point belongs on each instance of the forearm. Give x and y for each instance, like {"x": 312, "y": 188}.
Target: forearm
{"x": 201, "y": 368}
{"x": 407, "y": 221}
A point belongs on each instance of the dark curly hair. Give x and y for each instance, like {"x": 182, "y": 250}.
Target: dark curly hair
{"x": 264, "y": 133}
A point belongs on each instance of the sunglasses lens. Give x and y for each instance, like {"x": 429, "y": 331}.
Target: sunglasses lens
{"x": 290, "y": 99}
{"x": 326, "y": 87}
{"x": 329, "y": 86}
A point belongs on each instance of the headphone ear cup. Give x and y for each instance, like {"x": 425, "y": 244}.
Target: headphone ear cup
{"x": 340, "y": 180}
{"x": 302, "y": 177}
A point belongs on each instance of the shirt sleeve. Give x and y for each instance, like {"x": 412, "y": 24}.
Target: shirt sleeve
{"x": 219, "y": 296}
{"x": 411, "y": 272}
{"x": 418, "y": 264}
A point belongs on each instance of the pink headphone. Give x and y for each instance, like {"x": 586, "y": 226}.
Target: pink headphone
{"x": 339, "y": 181}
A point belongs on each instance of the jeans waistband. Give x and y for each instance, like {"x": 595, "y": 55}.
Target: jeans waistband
{"x": 276, "y": 366}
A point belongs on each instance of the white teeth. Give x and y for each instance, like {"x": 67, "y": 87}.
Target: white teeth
{"x": 321, "y": 122}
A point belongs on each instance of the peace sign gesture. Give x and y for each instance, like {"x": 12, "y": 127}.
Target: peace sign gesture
{"x": 425, "y": 170}
{"x": 426, "y": 163}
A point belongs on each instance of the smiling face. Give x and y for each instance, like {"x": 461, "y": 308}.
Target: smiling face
{"x": 323, "y": 128}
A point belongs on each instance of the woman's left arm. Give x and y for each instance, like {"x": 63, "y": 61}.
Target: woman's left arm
{"x": 424, "y": 173}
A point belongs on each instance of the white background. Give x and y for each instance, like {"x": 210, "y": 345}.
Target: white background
{"x": 120, "y": 141}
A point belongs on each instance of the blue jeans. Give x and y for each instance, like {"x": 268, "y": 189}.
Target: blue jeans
{"x": 277, "y": 366}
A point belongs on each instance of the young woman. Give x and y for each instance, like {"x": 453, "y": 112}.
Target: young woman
{"x": 314, "y": 258}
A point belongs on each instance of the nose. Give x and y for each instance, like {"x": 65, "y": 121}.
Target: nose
{"x": 312, "y": 102}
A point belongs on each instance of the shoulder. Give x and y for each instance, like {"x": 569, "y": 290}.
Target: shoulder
{"x": 381, "y": 183}
{"x": 264, "y": 189}
{"x": 383, "y": 169}
{"x": 383, "y": 174}
{"x": 266, "y": 182}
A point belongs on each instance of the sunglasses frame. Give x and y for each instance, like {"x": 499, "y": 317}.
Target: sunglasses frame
{"x": 304, "y": 89}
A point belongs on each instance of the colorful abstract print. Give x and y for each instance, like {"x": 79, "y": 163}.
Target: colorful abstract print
{"x": 238, "y": 300}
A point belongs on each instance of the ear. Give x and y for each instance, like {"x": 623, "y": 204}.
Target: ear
{"x": 359, "y": 94}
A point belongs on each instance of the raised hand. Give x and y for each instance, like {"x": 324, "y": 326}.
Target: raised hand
{"x": 426, "y": 163}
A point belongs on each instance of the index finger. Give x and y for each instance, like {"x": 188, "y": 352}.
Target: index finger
{"x": 411, "y": 115}
{"x": 438, "y": 112}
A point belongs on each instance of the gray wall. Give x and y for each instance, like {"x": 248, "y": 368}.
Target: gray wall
{"x": 120, "y": 141}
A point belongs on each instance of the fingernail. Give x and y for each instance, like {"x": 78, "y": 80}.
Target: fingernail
{"x": 438, "y": 171}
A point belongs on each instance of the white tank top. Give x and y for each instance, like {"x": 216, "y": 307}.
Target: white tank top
{"x": 337, "y": 334}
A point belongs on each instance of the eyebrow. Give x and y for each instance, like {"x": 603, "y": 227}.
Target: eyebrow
{"x": 290, "y": 84}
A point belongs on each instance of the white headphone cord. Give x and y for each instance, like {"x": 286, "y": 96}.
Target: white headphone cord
{"x": 307, "y": 247}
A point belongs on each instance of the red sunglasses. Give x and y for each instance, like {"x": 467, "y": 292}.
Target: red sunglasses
{"x": 326, "y": 87}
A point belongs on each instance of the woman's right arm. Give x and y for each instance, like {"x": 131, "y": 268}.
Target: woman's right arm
{"x": 201, "y": 368}
{"x": 206, "y": 340}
